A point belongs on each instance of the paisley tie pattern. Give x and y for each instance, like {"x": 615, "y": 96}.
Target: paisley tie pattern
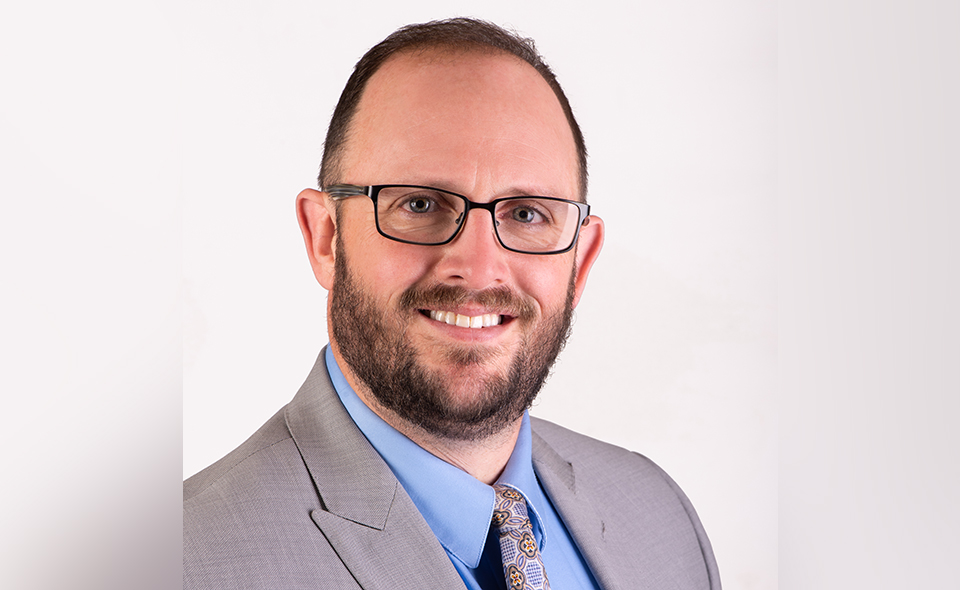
{"x": 522, "y": 565}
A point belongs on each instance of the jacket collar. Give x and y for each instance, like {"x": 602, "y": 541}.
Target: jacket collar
{"x": 366, "y": 515}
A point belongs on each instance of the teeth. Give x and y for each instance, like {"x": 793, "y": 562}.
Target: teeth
{"x": 455, "y": 319}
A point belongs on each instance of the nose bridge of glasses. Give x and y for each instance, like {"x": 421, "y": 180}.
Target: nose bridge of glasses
{"x": 469, "y": 205}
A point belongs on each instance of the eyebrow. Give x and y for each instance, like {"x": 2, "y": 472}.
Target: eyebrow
{"x": 512, "y": 191}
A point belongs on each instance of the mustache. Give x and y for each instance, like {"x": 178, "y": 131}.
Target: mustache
{"x": 501, "y": 299}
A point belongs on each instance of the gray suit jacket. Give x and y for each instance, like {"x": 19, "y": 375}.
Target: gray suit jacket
{"x": 306, "y": 502}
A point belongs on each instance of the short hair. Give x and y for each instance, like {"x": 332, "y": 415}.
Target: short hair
{"x": 464, "y": 34}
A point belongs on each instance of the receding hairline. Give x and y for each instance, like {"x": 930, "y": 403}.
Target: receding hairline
{"x": 439, "y": 51}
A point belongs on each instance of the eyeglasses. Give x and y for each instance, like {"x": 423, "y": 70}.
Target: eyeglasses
{"x": 432, "y": 217}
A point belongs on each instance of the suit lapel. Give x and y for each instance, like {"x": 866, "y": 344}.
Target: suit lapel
{"x": 578, "y": 512}
{"x": 366, "y": 515}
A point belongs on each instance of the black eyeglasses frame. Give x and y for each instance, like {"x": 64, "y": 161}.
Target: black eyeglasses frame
{"x": 339, "y": 192}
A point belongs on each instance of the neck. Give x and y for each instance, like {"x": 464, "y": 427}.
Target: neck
{"x": 484, "y": 459}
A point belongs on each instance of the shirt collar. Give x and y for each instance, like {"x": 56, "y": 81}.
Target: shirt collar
{"x": 457, "y": 506}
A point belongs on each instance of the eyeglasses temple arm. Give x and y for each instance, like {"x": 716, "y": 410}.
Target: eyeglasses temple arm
{"x": 342, "y": 191}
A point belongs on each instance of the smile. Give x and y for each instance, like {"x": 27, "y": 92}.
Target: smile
{"x": 455, "y": 319}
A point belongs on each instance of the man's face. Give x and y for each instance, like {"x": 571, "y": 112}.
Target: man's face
{"x": 485, "y": 126}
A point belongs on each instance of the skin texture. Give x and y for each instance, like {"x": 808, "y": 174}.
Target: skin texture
{"x": 484, "y": 125}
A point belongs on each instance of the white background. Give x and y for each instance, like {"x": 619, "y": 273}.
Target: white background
{"x": 151, "y": 153}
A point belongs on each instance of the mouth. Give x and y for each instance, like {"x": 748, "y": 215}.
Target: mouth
{"x": 450, "y": 318}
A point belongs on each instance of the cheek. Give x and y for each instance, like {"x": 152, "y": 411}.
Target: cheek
{"x": 548, "y": 284}
{"x": 385, "y": 268}
{"x": 396, "y": 272}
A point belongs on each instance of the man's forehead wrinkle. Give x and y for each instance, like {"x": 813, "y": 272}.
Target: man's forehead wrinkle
{"x": 410, "y": 123}
{"x": 522, "y": 185}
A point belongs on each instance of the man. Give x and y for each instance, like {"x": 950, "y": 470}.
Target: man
{"x": 453, "y": 236}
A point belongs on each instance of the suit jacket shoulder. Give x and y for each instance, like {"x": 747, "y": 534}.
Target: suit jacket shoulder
{"x": 306, "y": 502}
{"x": 219, "y": 474}
{"x": 246, "y": 520}
{"x": 632, "y": 522}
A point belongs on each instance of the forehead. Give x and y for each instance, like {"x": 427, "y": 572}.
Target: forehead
{"x": 476, "y": 121}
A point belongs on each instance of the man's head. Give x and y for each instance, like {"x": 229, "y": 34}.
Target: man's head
{"x": 479, "y": 121}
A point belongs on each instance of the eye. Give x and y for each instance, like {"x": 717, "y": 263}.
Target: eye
{"x": 420, "y": 204}
{"x": 526, "y": 214}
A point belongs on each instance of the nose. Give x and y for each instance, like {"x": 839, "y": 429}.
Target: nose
{"x": 475, "y": 259}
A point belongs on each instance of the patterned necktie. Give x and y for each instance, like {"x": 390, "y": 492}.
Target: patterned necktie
{"x": 521, "y": 558}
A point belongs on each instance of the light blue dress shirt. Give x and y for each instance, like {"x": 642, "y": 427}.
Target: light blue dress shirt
{"x": 459, "y": 507}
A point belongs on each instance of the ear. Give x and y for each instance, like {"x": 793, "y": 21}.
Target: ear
{"x": 317, "y": 217}
{"x": 588, "y": 248}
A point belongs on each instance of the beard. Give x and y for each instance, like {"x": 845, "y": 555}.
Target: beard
{"x": 372, "y": 341}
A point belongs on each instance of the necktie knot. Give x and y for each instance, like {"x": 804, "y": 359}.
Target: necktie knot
{"x": 510, "y": 513}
